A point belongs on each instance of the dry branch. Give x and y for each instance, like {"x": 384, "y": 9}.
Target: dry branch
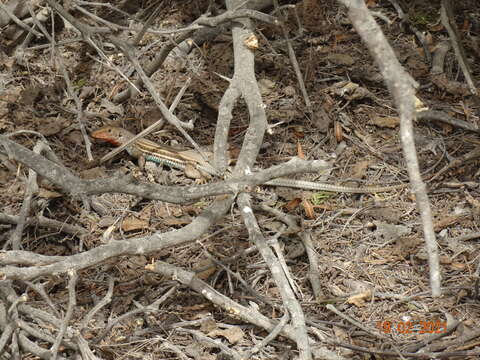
{"x": 400, "y": 85}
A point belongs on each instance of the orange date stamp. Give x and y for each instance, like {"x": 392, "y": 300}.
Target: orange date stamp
{"x": 412, "y": 327}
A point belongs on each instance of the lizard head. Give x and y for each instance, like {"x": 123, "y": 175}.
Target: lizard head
{"x": 113, "y": 135}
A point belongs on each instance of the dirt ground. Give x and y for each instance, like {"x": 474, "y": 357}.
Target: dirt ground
{"x": 372, "y": 262}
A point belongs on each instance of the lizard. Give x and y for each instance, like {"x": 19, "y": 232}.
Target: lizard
{"x": 195, "y": 167}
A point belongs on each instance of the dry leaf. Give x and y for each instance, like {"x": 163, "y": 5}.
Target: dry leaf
{"x": 300, "y": 152}
{"x": 356, "y": 286}
{"x": 376, "y": 261}
{"x": 209, "y": 324}
{"x": 308, "y": 207}
{"x": 327, "y": 207}
{"x": 105, "y": 221}
{"x": 274, "y": 226}
{"x": 146, "y": 213}
{"x": 93, "y": 173}
{"x": 349, "y": 90}
{"x": 446, "y": 221}
{"x": 419, "y": 105}
{"x": 444, "y": 259}
{"x": 289, "y": 91}
{"x": 360, "y": 169}
{"x": 385, "y": 214}
{"x": 251, "y": 42}
{"x": 51, "y": 125}
{"x": 205, "y": 274}
{"x": 266, "y": 86}
{"x": 337, "y": 127}
{"x": 385, "y": 122}
{"x": 458, "y": 266}
{"x": 405, "y": 246}
{"x": 48, "y": 194}
{"x": 107, "y": 234}
{"x": 429, "y": 39}
{"x": 341, "y": 38}
{"x": 340, "y": 333}
{"x": 359, "y": 299}
{"x": 292, "y": 204}
{"x": 233, "y": 334}
{"x": 451, "y": 86}
{"x": 194, "y": 309}
{"x": 342, "y": 88}
{"x": 131, "y": 223}
{"x": 112, "y": 108}
{"x": 341, "y": 59}
{"x": 389, "y": 232}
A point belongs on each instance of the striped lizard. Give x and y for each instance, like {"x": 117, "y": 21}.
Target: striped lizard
{"x": 195, "y": 167}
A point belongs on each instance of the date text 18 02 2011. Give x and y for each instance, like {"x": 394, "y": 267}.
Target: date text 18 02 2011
{"x": 412, "y": 326}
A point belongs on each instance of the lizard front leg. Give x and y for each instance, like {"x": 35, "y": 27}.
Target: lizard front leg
{"x": 193, "y": 172}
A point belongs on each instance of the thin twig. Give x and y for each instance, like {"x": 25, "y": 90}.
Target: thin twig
{"x": 70, "y": 90}
{"x": 293, "y": 60}
{"x": 31, "y": 188}
{"x": 19, "y": 22}
{"x": 171, "y": 118}
{"x": 72, "y": 302}
{"x": 355, "y": 322}
{"x": 145, "y": 309}
{"x": 149, "y": 129}
{"x": 448, "y": 20}
{"x": 288, "y": 297}
{"x": 105, "y": 301}
{"x": 269, "y": 338}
